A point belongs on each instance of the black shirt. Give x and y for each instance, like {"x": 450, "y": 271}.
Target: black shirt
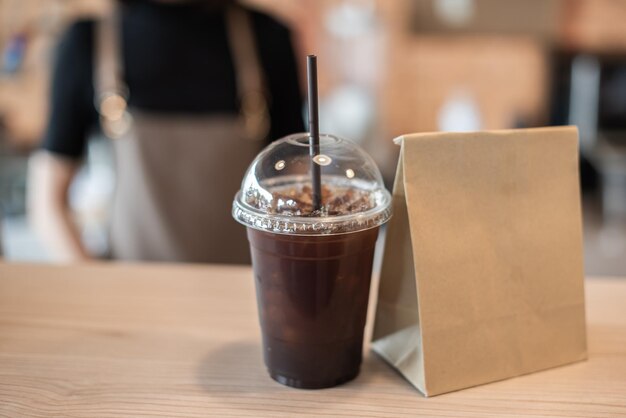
{"x": 176, "y": 58}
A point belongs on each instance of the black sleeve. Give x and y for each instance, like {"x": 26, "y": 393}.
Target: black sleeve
{"x": 281, "y": 72}
{"x": 72, "y": 113}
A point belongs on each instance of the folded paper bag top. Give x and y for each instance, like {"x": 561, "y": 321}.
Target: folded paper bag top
{"x": 482, "y": 275}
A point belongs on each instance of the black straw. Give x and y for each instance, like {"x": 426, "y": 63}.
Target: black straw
{"x": 314, "y": 131}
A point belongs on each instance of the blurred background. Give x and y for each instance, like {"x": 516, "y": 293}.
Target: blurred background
{"x": 386, "y": 68}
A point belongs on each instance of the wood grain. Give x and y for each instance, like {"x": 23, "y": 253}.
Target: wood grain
{"x": 163, "y": 341}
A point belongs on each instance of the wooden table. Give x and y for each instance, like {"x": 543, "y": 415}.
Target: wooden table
{"x": 164, "y": 341}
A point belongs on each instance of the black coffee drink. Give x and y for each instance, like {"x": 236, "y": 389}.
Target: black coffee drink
{"x": 312, "y": 294}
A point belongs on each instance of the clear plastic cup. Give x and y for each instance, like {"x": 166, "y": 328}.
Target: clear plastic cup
{"x": 312, "y": 268}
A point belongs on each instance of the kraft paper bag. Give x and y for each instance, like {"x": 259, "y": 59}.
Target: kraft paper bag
{"x": 482, "y": 275}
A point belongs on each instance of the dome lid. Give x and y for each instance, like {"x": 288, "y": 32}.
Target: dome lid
{"x": 276, "y": 192}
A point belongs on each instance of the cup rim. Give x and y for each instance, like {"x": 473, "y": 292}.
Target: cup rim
{"x": 303, "y": 225}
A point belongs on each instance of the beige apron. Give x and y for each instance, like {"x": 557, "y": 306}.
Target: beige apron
{"x": 177, "y": 174}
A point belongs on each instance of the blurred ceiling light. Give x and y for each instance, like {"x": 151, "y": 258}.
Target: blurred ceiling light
{"x": 351, "y": 19}
{"x": 460, "y": 113}
{"x": 348, "y": 111}
{"x": 456, "y": 13}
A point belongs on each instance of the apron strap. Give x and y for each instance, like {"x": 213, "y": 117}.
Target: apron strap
{"x": 253, "y": 95}
{"x": 111, "y": 93}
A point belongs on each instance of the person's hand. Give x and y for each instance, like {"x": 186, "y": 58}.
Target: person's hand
{"x": 49, "y": 180}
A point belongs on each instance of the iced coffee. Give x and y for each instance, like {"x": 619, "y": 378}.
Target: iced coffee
{"x": 312, "y": 266}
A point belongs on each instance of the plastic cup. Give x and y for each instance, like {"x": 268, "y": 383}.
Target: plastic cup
{"x": 312, "y": 269}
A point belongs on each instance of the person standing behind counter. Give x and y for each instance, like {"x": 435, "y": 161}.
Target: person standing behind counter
{"x": 207, "y": 83}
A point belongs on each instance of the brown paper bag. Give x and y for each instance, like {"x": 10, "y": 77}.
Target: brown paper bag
{"x": 482, "y": 275}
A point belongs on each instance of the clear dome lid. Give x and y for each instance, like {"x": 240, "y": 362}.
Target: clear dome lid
{"x": 276, "y": 192}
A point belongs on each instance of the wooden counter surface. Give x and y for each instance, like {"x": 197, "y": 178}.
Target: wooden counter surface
{"x": 183, "y": 341}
